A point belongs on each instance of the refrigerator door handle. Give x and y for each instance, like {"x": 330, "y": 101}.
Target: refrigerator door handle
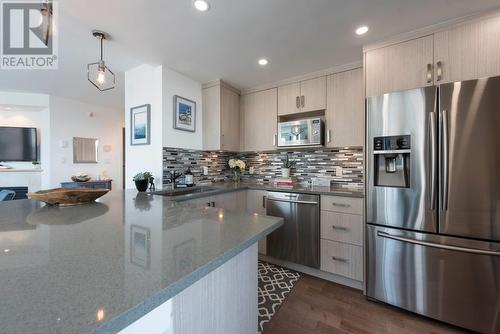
{"x": 445, "y": 158}
{"x": 433, "y": 144}
{"x": 440, "y": 246}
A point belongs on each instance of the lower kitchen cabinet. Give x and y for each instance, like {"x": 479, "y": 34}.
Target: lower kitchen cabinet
{"x": 342, "y": 236}
{"x": 342, "y": 259}
{"x": 256, "y": 203}
{"x": 342, "y": 227}
{"x": 233, "y": 201}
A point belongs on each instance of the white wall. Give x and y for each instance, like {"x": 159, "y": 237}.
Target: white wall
{"x": 157, "y": 86}
{"x": 143, "y": 85}
{"x": 70, "y": 118}
{"x": 29, "y": 110}
{"x": 175, "y": 83}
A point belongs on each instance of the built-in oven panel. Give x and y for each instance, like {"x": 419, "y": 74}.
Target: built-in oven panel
{"x": 304, "y": 132}
{"x": 437, "y": 276}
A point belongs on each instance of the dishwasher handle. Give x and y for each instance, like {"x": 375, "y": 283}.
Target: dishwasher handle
{"x": 292, "y": 201}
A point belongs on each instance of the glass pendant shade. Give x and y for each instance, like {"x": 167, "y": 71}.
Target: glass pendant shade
{"x": 98, "y": 73}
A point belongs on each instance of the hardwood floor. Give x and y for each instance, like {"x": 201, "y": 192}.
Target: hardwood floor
{"x": 318, "y": 306}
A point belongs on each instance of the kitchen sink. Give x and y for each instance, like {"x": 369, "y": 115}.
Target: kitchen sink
{"x": 183, "y": 191}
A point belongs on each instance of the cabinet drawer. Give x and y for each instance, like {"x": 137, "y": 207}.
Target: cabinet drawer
{"x": 342, "y": 204}
{"x": 342, "y": 259}
{"x": 343, "y": 227}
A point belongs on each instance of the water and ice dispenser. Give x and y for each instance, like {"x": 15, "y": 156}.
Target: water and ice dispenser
{"x": 391, "y": 156}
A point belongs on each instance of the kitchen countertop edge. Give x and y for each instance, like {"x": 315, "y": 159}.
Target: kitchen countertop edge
{"x": 223, "y": 188}
{"x": 127, "y": 318}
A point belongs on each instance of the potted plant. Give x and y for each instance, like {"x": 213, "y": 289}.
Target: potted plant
{"x": 287, "y": 165}
{"x": 36, "y": 164}
{"x": 142, "y": 180}
{"x": 237, "y": 166}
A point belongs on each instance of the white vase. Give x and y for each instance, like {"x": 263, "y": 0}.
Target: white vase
{"x": 285, "y": 172}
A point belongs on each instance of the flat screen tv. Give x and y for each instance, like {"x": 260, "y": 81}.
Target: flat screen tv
{"x": 18, "y": 144}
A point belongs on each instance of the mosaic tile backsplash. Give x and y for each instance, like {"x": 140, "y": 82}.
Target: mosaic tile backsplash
{"x": 267, "y": 166}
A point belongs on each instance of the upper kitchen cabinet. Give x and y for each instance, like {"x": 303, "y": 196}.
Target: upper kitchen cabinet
{"x": 468, "y": 51}
{"x": 304, "y": 96}
{"x": 400, "y": 66}
{"x": 345, "y": 109}
{"x": 258, "y": 116}
{"x": 221, "y": 117}
{"x": 289, "y": 99}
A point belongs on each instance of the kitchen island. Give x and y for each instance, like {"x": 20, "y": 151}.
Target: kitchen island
{"x": 128, "y": 263}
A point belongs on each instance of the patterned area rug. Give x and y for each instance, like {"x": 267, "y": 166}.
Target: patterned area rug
{"x": 275, "y": 283}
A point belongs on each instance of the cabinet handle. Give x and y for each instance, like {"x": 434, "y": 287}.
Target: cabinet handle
{"x": 335, "y": 227}
{"x": 429, "y": 73}
{"x": 208, "y": 204}
{"x": 339, "y": 259}
{"x": 342, "y": 205}
{"x": 297, "y": 102}
{"x": 213, "y": 204}
{"x": 439, "y": 70}
{"x": 264, "y": 199}
{"x": 275, "y": 139}
{"x": 302, "y": 101}
{"x": 329, "y": 136}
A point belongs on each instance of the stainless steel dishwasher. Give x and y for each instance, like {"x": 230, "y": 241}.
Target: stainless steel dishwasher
{"x": 297, "y": 240}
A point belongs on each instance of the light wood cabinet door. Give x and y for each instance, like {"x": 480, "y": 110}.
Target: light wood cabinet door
{"x": 398, "y": 67}
{"x": 289, "y": 99}
{"x": 256, "y": 204}
{"x": 468, "y": 51}
{"x": 313, "y": 94}
{"x": 345, "y": 109}
{"x": 259, "y": 120}
{"x": 230, "y": 120}
{"x": 342, "y": 259}
{"x": 211, "y": 98}
{"x": 233, "y": 201}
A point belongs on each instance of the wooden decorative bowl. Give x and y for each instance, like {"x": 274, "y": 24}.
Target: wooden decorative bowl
{"x": 80, "y": 178}
{"x": 68, "y": 196}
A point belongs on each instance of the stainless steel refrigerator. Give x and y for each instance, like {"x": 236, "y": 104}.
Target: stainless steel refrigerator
{"x": 433, "y": 202}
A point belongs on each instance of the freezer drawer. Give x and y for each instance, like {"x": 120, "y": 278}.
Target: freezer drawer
{"x": 458, "y": 284}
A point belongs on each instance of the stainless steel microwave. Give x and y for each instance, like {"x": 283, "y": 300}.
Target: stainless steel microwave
{"x": 303, "y": 132}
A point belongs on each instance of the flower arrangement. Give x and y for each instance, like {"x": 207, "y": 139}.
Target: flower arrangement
{"x": 287, "y": 165}
{"x": 142, "y": 176}
{"x": 237, "y": 166}
{"x": 142, "y": 180}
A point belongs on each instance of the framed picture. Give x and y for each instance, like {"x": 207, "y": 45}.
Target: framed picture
{"x": 140, "y": 246}
{"x": 184, "y": 114}
{"x": 140, "y": 125}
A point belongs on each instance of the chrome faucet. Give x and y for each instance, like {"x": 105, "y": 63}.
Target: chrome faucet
{"x": 173, "y": 175}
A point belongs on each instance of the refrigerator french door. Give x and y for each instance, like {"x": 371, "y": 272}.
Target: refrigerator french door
{"x": 433, "y": 238}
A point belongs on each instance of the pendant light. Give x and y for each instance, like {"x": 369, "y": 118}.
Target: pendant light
{"x": 98, "y": 73}
{"x": 46, "y": 9}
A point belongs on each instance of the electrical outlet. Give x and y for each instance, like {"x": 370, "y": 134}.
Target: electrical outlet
{"x": 251, "y": 170}
{"x": 338, "y": 171}
{"x": 205, "y": 170}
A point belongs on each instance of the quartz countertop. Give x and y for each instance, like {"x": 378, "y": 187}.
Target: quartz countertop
{"x": 225, "y": 187}
{"x": 96, "y": 268}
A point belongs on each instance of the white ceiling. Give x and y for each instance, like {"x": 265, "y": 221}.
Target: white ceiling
{"x": 297, "y": 36}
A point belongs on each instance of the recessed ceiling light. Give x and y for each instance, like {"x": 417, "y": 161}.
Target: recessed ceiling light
{"x": 263, "y": 62}
{"x": 201, "y": 5}
{"x": 362, "y": 30}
